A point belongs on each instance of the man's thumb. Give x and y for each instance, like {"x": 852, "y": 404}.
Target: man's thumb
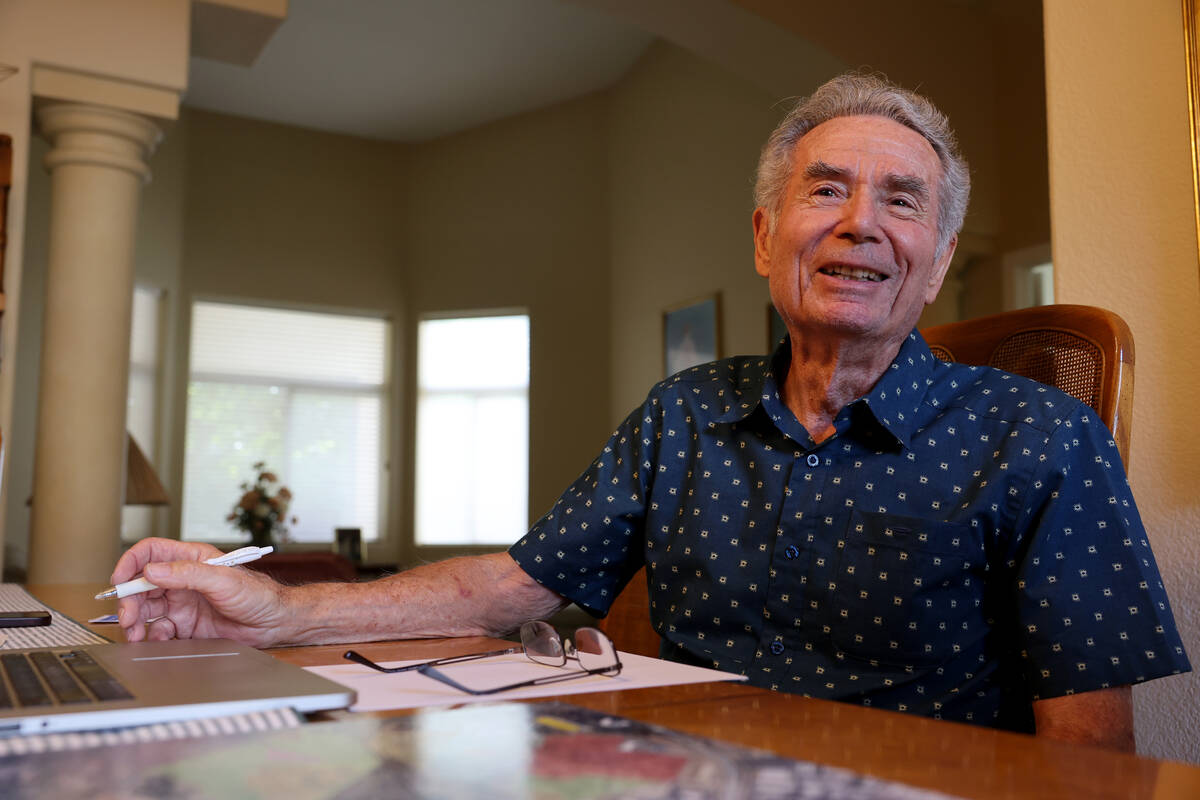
{"x": 176, "y": 575}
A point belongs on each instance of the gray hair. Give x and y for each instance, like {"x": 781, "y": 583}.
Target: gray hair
{"x": 855, "y": 94}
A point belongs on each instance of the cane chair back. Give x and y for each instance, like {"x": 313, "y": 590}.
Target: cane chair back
{"x": 1084, "y": 351}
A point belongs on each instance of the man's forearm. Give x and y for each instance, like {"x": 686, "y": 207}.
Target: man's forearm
{"x": 471, "y": 596}
{"x": 1102, "y": 717}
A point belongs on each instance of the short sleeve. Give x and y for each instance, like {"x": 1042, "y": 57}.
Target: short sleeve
{"x": 592, "y": 540}
{"x": 1092, "y": 609}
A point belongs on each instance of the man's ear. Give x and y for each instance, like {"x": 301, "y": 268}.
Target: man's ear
{"x": 940, "y": 267}
{"x": 762, "y": 241}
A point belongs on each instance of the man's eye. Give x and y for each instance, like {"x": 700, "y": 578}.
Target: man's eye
{"x": 825, "y": 191}
{"x": 902, "y": 202}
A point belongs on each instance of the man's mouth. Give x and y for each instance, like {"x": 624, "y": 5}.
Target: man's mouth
{"x": 853, "y": 273}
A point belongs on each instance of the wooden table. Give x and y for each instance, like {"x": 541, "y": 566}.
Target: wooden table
{"x": 955, "y": 758}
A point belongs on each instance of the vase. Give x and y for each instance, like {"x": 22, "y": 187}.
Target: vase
{"x": 262, "y": 538}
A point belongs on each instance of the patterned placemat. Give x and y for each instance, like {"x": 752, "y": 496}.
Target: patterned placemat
{"x": 62, "y": 630}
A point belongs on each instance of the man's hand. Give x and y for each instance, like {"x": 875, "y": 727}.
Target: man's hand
{"x": 1103, "y": 717}
{"x": 197, "y": 600}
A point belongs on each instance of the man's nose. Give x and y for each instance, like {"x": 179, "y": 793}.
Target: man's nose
{"x": 860, "y": 219}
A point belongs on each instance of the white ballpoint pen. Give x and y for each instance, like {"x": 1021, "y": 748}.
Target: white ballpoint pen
{"x": 139, "y": 585}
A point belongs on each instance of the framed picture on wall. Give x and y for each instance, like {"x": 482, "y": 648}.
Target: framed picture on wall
{"x": 776, "y": 330}
{"x": 691, "y": 333}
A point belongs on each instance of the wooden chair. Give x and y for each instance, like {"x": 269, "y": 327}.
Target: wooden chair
{"x": 628, "y": 621}
{"x": 1084, "y": 351}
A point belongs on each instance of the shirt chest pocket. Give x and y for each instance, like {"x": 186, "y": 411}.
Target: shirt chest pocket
{"x": 907, "y": 590}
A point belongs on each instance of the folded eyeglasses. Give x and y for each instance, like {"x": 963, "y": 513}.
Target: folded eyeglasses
{"x": 540, "y": 643}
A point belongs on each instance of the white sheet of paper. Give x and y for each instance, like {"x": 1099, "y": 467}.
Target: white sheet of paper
{"x": 378, "y": 691}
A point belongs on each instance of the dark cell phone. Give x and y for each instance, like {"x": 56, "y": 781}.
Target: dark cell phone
{"x": 23, "y": 619}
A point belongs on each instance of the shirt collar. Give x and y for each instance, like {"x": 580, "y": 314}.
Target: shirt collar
{"x": 754, "y": 386}
{"x": 896, "y": 398}
{"x": 892, "y": 403}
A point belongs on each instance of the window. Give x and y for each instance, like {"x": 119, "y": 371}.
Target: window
{"x": 1041, "y": 278}
{"x": 304, "y": 392}
{"x": 472, "y": 472}
{"x": 1028, "y": 277}
{"x": 141, "y": 409}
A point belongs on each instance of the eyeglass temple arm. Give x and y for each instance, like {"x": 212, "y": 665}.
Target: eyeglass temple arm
{"x": 359, "y": 658}
{"x": 428, "y": 670}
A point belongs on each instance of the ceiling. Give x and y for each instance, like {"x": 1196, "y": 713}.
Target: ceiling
{"x": 412, "y": 70}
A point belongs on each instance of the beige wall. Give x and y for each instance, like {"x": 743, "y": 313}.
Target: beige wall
{"x": 292, "y": 215}
{"x": 515, "y": 215}
{"x": 1124, "y": 237}
{"x": 684, "y": 140}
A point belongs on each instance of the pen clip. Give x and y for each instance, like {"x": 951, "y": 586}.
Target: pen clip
{"x": 241, "y": 556}
{"x": 241, "y": 551}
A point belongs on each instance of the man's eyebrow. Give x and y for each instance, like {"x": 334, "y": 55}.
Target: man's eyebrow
{"x": 911, "y": 184}
{"x": 824, "y": 171}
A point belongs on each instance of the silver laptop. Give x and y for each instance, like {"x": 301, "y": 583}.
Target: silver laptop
{"x": 95, "y": 686}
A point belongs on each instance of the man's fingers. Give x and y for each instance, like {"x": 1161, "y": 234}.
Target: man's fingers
{"x": 160, "y": 629}
{"x": 134, "y": 611}
{"x": 154, "y": 607}
{"x": 135, "y": 631}
{"x": 203, "y": 578}
{"x": 153, "y": 549}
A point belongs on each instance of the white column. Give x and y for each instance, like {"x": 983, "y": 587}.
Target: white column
{"x": 97, "y": 167}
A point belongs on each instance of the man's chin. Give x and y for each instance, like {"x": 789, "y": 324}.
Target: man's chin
{"x": 868, "y": 330}
{"x": 850, "y": 322}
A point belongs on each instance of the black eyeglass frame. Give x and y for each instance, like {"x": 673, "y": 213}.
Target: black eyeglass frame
{"x": 429, "y": 668}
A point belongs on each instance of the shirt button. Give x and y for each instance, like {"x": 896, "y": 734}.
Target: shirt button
{"x": 792, "y": 551}
{"x": 813, "y": 459}
{"x": 777, "y": 648}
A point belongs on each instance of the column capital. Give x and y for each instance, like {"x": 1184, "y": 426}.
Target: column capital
{"x": 96, "y": 135}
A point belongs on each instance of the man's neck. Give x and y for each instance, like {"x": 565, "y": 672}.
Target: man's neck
{"x": 826, "y": 374}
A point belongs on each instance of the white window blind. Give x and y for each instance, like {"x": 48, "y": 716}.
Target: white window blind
{"x": 304, "y": 392}
{"x": 472, "y": 476}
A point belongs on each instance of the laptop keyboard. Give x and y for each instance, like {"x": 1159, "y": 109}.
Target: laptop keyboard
{"x": 50, "y": 677}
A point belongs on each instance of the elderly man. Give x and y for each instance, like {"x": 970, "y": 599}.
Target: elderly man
{"x": 849, "y": 518}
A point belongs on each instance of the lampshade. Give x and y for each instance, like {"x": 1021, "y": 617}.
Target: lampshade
{"x": 142, "y": 486}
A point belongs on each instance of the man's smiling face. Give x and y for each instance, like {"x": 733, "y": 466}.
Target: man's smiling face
{"x": 854, "y": 248}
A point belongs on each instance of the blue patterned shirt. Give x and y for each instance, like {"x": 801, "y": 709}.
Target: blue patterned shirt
{"x": 965, "y": 543}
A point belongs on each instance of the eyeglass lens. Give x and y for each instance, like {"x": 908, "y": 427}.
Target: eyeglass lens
{"x": 593, "y": 649}
{"x": 543, "y": 644}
